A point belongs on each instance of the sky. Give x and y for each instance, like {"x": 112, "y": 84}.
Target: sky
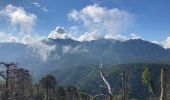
{"x": 86, "y": 19}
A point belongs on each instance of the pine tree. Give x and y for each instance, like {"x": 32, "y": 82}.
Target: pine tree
{"x": 147, "y": 80}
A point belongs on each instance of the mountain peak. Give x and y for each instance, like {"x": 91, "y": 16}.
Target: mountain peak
{"x": 58, "y": 33}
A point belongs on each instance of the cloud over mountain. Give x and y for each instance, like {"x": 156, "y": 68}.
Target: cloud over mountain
{"x": 90, "y": 36}
{"x": 102, "y": 20}
{"x": 21, "y": 24}
{"x": 59, "y": 33}
{"x": 41, "y": 50}
{"x": 167, "y": 43}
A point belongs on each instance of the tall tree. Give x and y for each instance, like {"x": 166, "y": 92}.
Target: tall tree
{"x": 164, "y": 84}
{"x": 9, "y": 75}
{"x": 2, "y": 90}
{"x": 49, "y": 83}
{"x": 23, "y": 84}
{"x": 37, "y": 92}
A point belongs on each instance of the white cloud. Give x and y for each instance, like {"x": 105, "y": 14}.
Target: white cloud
{"x": 37, "y": 4}
{"x": 159, "y": 43}
{"x": 102, "y": 20}
{"x": 4, "y": 37}
{"x": 19, "y": 17}
{"x": 90, "y": 36}
{"x": 80, "y": 48}
{"x": 59, "y": 33}
{"x": 122, "y": 37}
{"x": 41, "y": 50}
{"x": 43, "y": 8}
{"x": 116, "y": 37}
{"x": 13, "y": 39}
{"x": 167, "y": 43}
{"x": 94, "y": 36}
{"x": 28, "y": 39}
{"x": 135, "y": 36}
{"x": 69, "y": 49}
{"x": 74, "y": 30}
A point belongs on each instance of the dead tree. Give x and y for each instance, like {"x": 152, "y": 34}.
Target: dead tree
{"x": 164, "y": 84}
{"x": 109, "y": 89}
{"x": 123, "y": 86}
{"x": 23, "y": 84}
{"x": 105, "y": 81}
{"x": 9, "y": 76}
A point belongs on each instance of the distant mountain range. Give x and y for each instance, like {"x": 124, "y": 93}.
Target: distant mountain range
{"x": 51, "y": 54}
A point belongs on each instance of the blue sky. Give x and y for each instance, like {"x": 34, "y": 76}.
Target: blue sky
{"x": 149, "y": 18}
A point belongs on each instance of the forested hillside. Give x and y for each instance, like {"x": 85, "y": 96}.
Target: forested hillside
{"x": 139, "y": 81}
{"x": 88, "y": 78}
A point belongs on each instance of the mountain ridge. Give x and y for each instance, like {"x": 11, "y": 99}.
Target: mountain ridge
{"x": 61, "y": 53}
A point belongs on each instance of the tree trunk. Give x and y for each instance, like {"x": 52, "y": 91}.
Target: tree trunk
{"x": 164, "y": 80}
{"x": 105, "y": 81}
{"x": 123, "y": 86}
{"x": 47, "y": 94}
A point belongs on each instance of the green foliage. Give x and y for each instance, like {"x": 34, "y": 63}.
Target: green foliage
{"x": 147, "y": 80}
{"x": 88, "y": 78}
{"x": 88, "y": 81}
{"x": 48, "y": 90}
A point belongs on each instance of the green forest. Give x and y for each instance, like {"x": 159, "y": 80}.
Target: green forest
{"x": 140, "y": 81}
